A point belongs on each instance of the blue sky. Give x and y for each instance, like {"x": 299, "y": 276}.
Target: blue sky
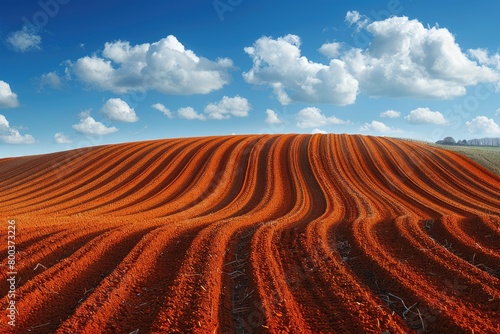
{"x": 76, "y": 73}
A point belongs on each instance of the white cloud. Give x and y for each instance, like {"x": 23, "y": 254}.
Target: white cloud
{"x": 312, "y": 117}
{"x": 497, "y": 112}
{"x": 160, "y": 107}
{"x": 118, "y": 110}
{"x": 89, "y": 126}
{"x": 425, "y": 116}
{"x": 355, "y": 18}
{"x": 51, "y": 80}
{"x": 9, "y": 135}
{"x": 272, "y": 117}
{"x": 331, "y": 50}
{"x": 8, "y": 99}
{"x": 406, "y": 59}
{"x": 61, "y": 138}
{"x": 165, "y": 66}
{"x": 26, "y": 39}
{"x": 190, "y": 113}
{"x": 390, "y": 114}
{"x": 483, "y": 57}
{"x": 376, "y": 126}
{"x": 316, "y": 131}
{"x": 235, "y": 106}
{"x": 278, "y": 63}
{"x": 483, "y": 125}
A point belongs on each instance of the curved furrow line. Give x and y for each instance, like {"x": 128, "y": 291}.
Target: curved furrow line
{"x": 371, "y": 259}
{"x": 402, "y": 174}
{"x": 378, "y": 247}
{"x": 379, "y": 204}
{"x": 196, "y": 169}
{"x": 206, "y": 175}
{"x": 77, "y": 190}
{"x": 283, "y": 233}
{"x": 240, "y": 309}
{"x": 360, "y": 308}
{"x": 484, "y": 194}
{"x": 168, "y": 181}
{"x": 109, "y": 182}
{"x": 447, "y": 175}
{"x": 247, "y": 203}
{"x": 443, "y": 258}
{"x": 148, "y": 274}
{"x": 26, "y": 169}
{"x": 132, "y": 182}
{"x": 277, "y": 303}
{"x": 389, "y": 174}
{"x": 55, "y": 294}
{"x": 300, "y": 269}
{"x": 356, "y": 244}
{"x": 202, "y": 193}
{"x": 29, "y": 236}
{"x": 409, "y": 233}
{"x": 64, "y": 171}
{"x": 57, "y": 186}
{"x": 17, "y": 171}
{"x": 228, "y": 189}
{"x": 131, "y": 296}
{"x": 482, "y": 251}
{"x": 478, "y": 292}
{"x": 461, "y": 169}
{"x": 34, "y": 260}
{"x": 206, "y": 255}
{"x": 483, "y": 228}
{"x": 226, "y": 193}
{"x": 435, "y": 192}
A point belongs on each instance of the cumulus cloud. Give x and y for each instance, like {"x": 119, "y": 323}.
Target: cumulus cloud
{"x": 425, "y": 116}
{"x": 316, "y": 131}
{"x": 278, "y": 64}
{"x": 190, "y": 113}
{"x": 406, "y": 59}
{"x": 484, "y": 58}
{"x": 24, "y": 40}
{"x": 50, "y": 80}
{"x": 165, "y": 66}
{"x": 483, "y": 125}
{"x": 118, "y": 110}
{"x": 9, "y": 135}
{"x": 89, "y": 126}
{"x": 331, "y": 50}
{"x": 227, "y": 107}
{"x": 61, "y": 138}
{"x": 376, "y": 126}
{"x": 355, "y": 18}
{"x": 390, "y": 114}
{"x": 272, "y": 117}
{"x": 8, "y": 99}
{"x": 160, "y": 107}
{"x": 312, "y": 117}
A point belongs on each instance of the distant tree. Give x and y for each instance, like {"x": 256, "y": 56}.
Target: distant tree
{"x": 484, "y": 142}
{"x": 449, "y": 141}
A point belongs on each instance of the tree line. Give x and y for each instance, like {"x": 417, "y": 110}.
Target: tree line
{"x": 471, "y": 142}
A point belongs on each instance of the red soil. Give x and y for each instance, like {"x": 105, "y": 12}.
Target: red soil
{"x": 244, "y": 234}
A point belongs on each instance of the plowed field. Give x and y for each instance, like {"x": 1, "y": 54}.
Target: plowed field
{"x": 245, "y": 234}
